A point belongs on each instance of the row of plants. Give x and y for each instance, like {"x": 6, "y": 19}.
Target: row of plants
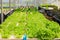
{"x": 30, "y": 22}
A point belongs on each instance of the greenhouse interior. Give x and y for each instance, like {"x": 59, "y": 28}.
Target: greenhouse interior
{"x": 30, "y": 19}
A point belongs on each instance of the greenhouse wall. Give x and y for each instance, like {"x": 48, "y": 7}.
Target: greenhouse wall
{"x": 53, "y": 2}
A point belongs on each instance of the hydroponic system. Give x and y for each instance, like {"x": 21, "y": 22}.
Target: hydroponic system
{"x": 29, "y": 20}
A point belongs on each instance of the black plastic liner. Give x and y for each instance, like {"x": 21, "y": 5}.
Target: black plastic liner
{"x": 6, "y": 15}
{"x": 54, "y": 15}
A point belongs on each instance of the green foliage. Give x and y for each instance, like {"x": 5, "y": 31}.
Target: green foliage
{"x": 30, "y": 22}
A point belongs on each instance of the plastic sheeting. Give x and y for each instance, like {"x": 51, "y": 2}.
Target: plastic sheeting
{"x": 19, "y": 3}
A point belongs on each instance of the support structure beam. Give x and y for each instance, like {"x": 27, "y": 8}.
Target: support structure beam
{"x": 1, "y": 11}
{"x": 18, "y": 3}
{"x": 9, "y": 4}
{"x": 14, "y": 2}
